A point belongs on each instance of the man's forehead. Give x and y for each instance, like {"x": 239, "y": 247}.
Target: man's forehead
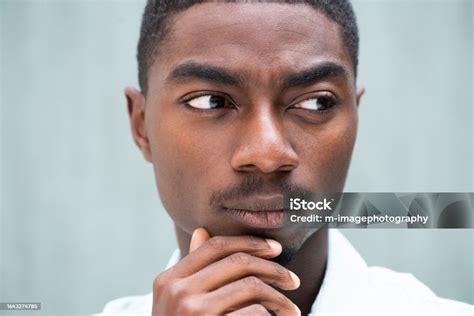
{"x": 271, "y": 34}
{"x": 217, "y": 16}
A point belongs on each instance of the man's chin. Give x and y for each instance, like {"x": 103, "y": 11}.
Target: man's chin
{"x": 281, "y": 234}
{"x": 291, "y": 238}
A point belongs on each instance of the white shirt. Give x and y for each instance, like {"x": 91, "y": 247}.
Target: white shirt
{"x": 349, "y": 287}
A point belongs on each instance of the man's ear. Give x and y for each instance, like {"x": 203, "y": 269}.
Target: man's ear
{"x": 360, "y": 93}
{"x": 136, "y": 112}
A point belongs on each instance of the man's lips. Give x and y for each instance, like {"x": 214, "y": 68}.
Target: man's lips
{"x": 258, "y": 211}
{"x": 260, "y": 219}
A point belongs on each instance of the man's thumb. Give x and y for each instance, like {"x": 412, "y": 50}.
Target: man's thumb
{"x": 199, "y": 237}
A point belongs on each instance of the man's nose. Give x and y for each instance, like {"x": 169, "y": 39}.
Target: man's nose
{"x": 262, "y": 145}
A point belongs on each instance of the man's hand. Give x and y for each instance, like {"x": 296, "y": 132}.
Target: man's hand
{"x": 225, "y": 275}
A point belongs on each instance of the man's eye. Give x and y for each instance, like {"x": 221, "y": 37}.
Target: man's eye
{"x": 320, "y": 103}
{"x": 208, "y": 102}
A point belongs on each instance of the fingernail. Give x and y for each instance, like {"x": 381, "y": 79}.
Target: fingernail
{"x": 297, "y": 309}
{"x": 295, "y": 279}
{"x": 275, "y": 245}
{"x": 194, "y": 233}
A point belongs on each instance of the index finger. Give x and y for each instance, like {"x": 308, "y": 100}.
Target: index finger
{"x": 220, "y": 247}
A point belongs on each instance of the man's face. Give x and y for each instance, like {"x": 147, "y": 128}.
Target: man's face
{"x": 246, "y": 102}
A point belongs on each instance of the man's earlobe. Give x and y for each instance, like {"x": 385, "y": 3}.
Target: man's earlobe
{"x": 360, "y": 93}
{"x": 136, "y": 112}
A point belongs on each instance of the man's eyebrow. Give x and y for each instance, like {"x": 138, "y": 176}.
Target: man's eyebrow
{"x": 194, "y": 70}
{"x": 315, "y": 74}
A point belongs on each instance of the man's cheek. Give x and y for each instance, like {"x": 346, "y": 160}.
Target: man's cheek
{"x": 186, "y": 164}
{"x": 173, "y": 168}
{"x": 327, "y": 160}
{"x": 341, "y": 154}
{"x": 180, "y": 196}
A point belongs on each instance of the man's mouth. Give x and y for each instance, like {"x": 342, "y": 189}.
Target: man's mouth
{"x": 258, "y": 211}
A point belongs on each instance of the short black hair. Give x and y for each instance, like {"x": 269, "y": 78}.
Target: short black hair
{"x": 155, "y": 26}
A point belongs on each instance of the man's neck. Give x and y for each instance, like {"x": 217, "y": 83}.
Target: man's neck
{"x": 309, "y": 265}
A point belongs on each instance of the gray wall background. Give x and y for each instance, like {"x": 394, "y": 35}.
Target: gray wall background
{"x": 81, "y": 222}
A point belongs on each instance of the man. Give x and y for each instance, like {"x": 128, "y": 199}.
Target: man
{"x": 241, "y": 103}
